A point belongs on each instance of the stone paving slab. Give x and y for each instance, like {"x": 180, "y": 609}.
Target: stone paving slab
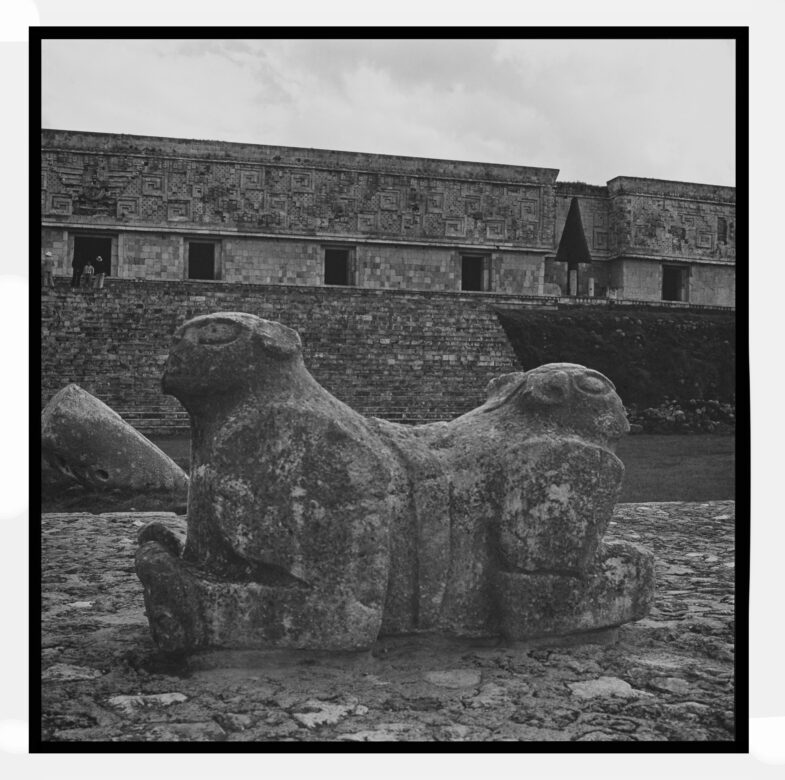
{"x": 669, "y": 677}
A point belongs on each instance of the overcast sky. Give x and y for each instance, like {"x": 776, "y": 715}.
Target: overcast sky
{"x": 593, "y": 109}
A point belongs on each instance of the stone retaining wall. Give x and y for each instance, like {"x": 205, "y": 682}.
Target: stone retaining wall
{"x": 404, "y": 355}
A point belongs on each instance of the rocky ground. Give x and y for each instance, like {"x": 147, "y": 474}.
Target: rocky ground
{"x": 667, "y": 677}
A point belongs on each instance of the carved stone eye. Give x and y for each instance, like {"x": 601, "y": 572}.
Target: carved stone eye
{"x": 218, "y": 333}
{"x": 593, "y": 385}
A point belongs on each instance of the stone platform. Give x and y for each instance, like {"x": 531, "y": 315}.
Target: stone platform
{"x": 667, "y": 677}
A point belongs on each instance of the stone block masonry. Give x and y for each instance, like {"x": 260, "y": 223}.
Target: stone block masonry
{"x": 126, "y": 182}
{"x": 402, "y": 355}
{"x": 672, "y": 220}
{"x": 170, "y": 209}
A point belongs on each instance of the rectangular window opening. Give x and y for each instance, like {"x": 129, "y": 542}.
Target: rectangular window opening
{"x": 201, "y": 260}
{"x": 674, "y": 283}
{"x": 722, "y": 230}
{"x": 337, "y": 267}
{"x": 475, "y": 273}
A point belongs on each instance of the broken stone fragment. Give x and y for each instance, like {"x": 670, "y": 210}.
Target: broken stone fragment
{"x": 603, "y": 686}
{"x": 87, "y": 442}
{"x": 60, "y": 671}
{"x": 129, "y": 704}
{"x": 454, "y": 678}
{"x": 314, "y": 712}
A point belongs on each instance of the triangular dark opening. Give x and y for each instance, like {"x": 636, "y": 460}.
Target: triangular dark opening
{"x": 573, "y": 248}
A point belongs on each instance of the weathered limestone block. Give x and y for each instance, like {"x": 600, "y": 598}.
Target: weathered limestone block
{"x": 86, "y": 441}
{"x": 311, "y": 526}
{"x": 617, "y": 586}
{"x": 533, "y": 482}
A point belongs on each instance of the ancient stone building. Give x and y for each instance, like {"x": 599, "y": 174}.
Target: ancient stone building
{"x": 654, "y": 240}
{"x": 169, "y": 209}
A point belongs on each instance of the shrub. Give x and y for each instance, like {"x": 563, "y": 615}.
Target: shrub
{"x": 694, "y": 416}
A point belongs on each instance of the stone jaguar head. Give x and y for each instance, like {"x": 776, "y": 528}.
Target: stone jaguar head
{"x": 563, "y": 396}
{"x": 216, "y": 354}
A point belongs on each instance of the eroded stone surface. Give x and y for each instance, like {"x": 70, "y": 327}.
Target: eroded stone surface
{"x": 69, "y": 672}
{"x": 313, "y": 713}
{"x": 602, "y": 686}
{"x": 524, "y": 691}
{"x": 454, "y": 678}
{"x": 311, "y": 526}
{"x": 128, "y": 704}
{"x": 86, "y": 442}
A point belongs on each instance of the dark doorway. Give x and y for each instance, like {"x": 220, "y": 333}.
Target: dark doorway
{"x": 89, "y": 247}
{"x": 472, "y": 272}
{"x": 201, "y": 260}
{"x": 674, "y": 283}
{"x": 336, "y": 266}
{"x": 573, "y": 247}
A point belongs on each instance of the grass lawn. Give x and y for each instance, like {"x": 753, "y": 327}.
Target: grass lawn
{"x": 700, "y": 467}
{"x": 658, "y": 468}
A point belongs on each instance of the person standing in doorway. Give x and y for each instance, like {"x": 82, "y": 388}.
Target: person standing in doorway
{"x": 47, "y": 271}
{"x": 100, "y": 272}
{"x": 87, "y": 275}
{"x": 76, "y": 276}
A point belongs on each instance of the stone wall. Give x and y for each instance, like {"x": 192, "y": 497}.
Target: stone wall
{"x": 123, "y": 182}
{"x": 148, "y": 255}
{"x": 666, "y": 219}
{"x": 406, "y": 356}
{"x": 251, "y": 260}
{"x": 399, "y": 354}
{"x": 271, "y": 213}
{"x": 713, "y": 284}
{"x": 55, "y": 240}
{"x": 675, "y": 220}
{"x": 276, "y": 261}
{"x": 640, "y": 280}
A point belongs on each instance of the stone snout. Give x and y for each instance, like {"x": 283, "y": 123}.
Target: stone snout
{"x": 563, "y": 398}
{"x": 230, "y": 353}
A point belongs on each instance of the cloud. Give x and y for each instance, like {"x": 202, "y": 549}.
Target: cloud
{"x": 594, "y": 109}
